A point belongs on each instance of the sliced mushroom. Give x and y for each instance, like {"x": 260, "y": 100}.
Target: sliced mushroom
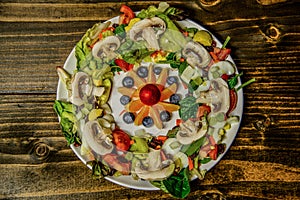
{"x": 81, "y": 86}
{"x": 196, "y": 55}
{"x": 220, "y": 68}
{"x": 191, "y": 131}
{"x": 171, "y": 146}
{"x": 217, "y": 97}
{"x": 96, "y": 138}
{"x": 149, "y": 35}
{"x": 106, "y": 48}
{"x": 155, "y": 169}
{"x": 149, "y": 30}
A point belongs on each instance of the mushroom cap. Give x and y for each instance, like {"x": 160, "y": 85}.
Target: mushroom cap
{"x": 171, "y": 146}
{"x": 156, "y": 170}
{"x": 190, "y": 132}
{"x": 96, "y": 138}
{"x": 138, "y": 28}
{"x": 220, "y": 68}
{"x": 218, "y": 96}
{"x": 81, "y": 86}
{"x": 196, "y": 55}
{"x": 106, "y": 48}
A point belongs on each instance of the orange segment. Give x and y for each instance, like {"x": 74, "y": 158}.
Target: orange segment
{"x": 126, "y": 91}
{"x": 162, "y": 78}
{"x": 138, "y": 81}
{"x": 134, "y": 105}
{"x": 169, "y": 106}
{"x": 167, "y": 92}
{"x": 141, "y": 115}
{"x": 151, "y": 76}
{"x": 154, "y": 113}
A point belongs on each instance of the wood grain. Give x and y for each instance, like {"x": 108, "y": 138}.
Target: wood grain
{"x": 36, "y": 36}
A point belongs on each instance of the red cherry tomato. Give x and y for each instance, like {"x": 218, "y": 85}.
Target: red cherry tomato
{"x": 121, "y": 140}
{"x": 127, "y": 15}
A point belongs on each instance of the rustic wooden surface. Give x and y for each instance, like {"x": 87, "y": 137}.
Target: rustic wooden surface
{"x": 37, "y": 35}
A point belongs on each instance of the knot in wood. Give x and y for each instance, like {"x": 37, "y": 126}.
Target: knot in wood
{"x": 41, "y": 150}
{"x": 272, "y": 33}
{"x": 209, "y": 2}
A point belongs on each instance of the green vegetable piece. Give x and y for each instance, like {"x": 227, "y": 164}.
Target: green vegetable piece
{"x": 140, "y": 145}
{"x": 234, "y": 80}
{"x": 70, "y": 116}
{"x": 151, "y": 11}
{"x": 178, "y": 186}
{"x": 82, "y": 50}
{"x": 60, "y": 106}
{"x": 194, "y": 147}
{"x": 188, "y": 108}
{"x": 191, "y": 31}
{"x": 226, "y": 42}
{"x": 174, "y": 31}
{"x": 203, "y": 37}
{"x": 205, "y": 160}
{"x": 172, "y": 133}
{"x": 105, "y": 96}
{"x": 120, "y": 30}
{"x": 168, "y": 42}
{"x": 194, "y": 83}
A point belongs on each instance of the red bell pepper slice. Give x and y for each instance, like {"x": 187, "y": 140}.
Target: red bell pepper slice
{"x": 125, "y": 66}
{"x": 233, "y": 100}
{"x": 127, "y": 15}
{"x": 203, "y": 110}
{"x": 213, "y": 154}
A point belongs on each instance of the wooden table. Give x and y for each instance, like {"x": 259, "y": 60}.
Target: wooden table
{"x": 35, "y": 161}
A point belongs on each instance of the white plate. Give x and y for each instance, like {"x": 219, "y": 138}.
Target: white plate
{"x": 128, "y": 181}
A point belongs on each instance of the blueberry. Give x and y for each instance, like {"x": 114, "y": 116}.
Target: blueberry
{"x": 142, "y": 72}
{"x": 175, "y": 98}
{"x": 124, "y": 99}
{"x": 165, "y": 116}
{"x": 148, "y": 122}
{"x": 172, "y": 79}
{"x": 128, "y": 117}
{"x": 128, "y": 82}
{"x": 157, "y": 70}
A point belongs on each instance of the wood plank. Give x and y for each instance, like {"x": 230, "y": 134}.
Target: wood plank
{"x": 37, "y": 36}
{"x": 78, "y": 177}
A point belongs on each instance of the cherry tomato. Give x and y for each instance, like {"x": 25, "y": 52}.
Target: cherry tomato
{"x": 233, "y": 101}
{"x": 125, "y": 66}
{"x": 202, "y": 110}
{"x": 121, "y": 140}
{"x": 127, "y": 15}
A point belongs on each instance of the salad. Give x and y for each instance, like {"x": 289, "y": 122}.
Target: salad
{"x": 150, "y": 98}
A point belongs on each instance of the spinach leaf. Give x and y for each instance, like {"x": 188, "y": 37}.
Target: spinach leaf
{"x": 188, "y": 108}
{"x": 179, "y": 185}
